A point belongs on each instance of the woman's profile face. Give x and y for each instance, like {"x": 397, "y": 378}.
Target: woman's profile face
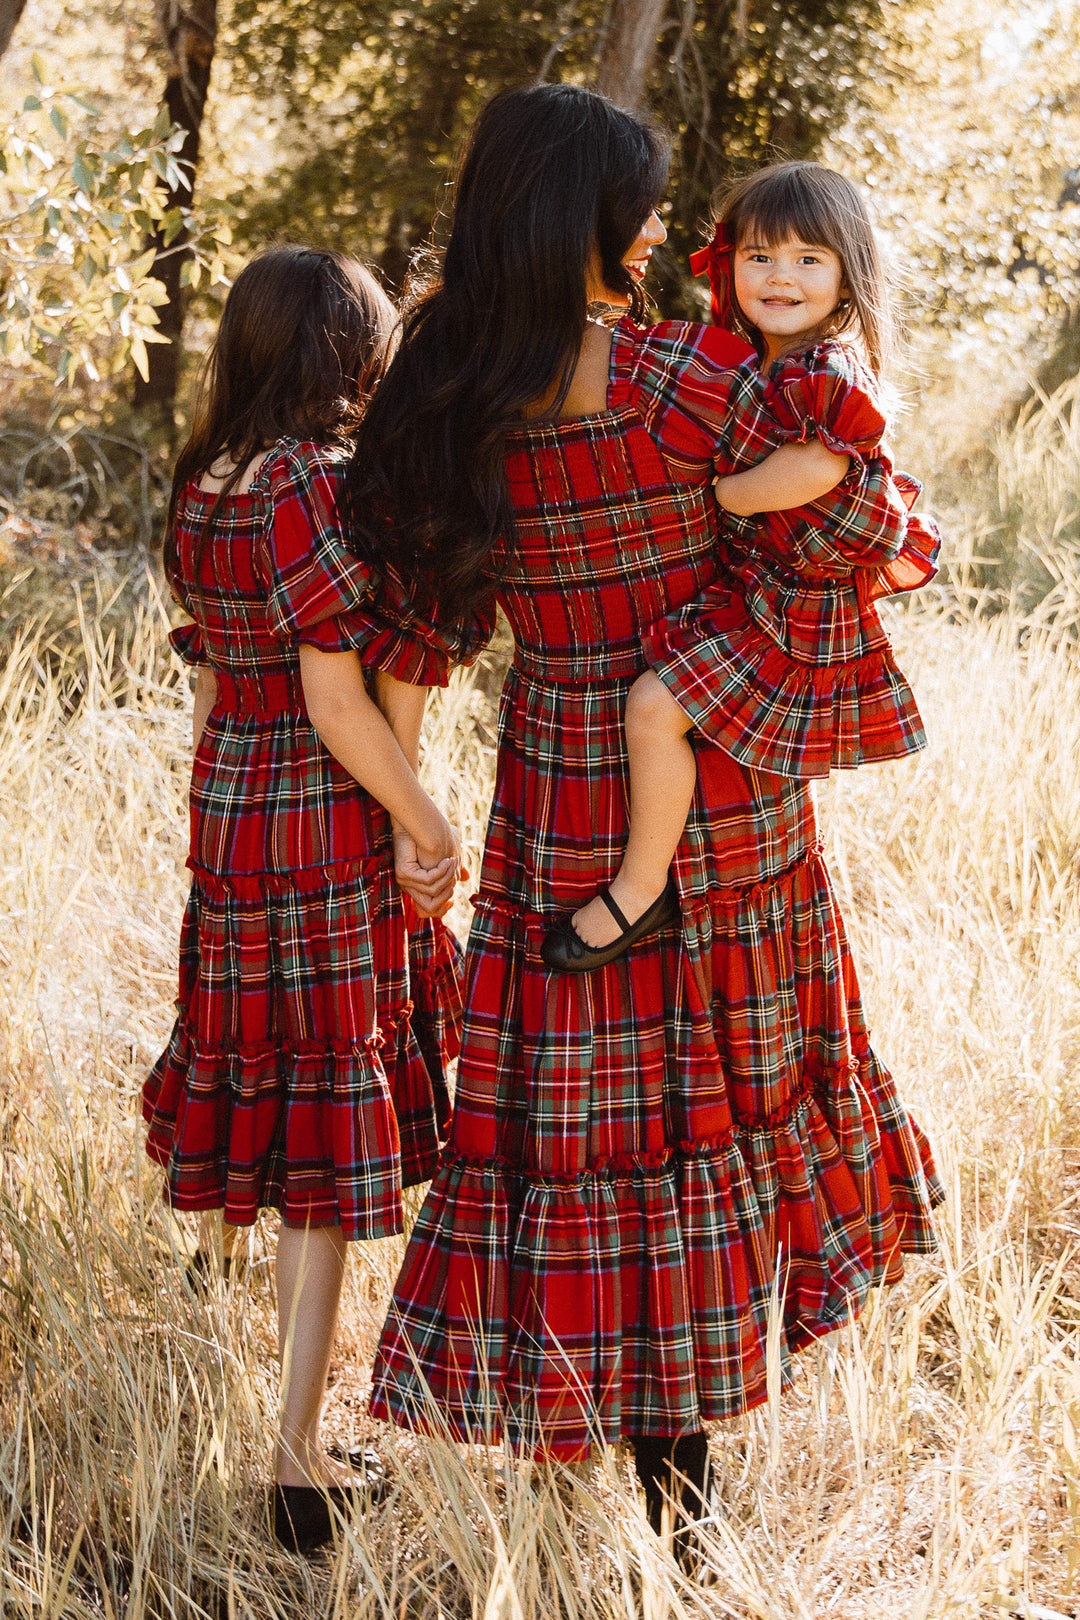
{"x": 636, "y": 259}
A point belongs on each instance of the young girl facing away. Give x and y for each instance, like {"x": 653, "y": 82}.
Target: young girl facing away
{"x": 783, "y": 662}
{"x": 294, "y": 1076}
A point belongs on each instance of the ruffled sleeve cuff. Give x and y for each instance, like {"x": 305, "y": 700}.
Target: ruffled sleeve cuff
{"x": 187, "y": 641}
{"x": 343, "y": 632}
{"x": 827, "y": 394}
{"x": 406, "y": 656}
{"x": 916, "y": 563}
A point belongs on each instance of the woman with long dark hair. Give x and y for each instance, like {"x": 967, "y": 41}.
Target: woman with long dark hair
{"x": 647, "y": 1158}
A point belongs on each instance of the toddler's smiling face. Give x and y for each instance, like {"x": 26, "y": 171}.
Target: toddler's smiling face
{"x": 788, "y": 290}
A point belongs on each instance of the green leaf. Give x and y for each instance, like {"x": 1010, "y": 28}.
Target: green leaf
{"x": 59, "y": 123}
{"x": 87, "y": 269}
{"x": 31, "y": 104}
{"x": 81, "y": 174}
{"x": 37, "y": 68}
{"x": 162, "y": 125}
{"x": 172, "y": 225}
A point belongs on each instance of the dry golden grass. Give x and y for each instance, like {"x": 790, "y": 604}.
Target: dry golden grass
{"x": 927, "y": 1461}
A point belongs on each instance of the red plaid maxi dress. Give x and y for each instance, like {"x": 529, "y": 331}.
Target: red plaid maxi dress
{"x": 305, "y": 1068}
{"x": 784, "y": 661}
{"x": 641, "y": 1158}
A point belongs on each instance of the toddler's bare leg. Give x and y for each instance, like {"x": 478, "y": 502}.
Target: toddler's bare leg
{"x": 663, "y": 775}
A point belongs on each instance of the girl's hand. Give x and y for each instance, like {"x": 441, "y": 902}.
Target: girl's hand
{"x": 428, "y": 872}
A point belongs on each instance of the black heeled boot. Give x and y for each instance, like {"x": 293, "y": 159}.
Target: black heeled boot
{"x": 657, "y": 1460}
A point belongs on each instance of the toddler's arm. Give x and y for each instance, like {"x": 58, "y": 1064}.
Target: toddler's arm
{"x": 792, "y": 476}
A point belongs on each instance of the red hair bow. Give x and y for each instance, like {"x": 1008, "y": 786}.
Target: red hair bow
{"x": 717, "y": 263}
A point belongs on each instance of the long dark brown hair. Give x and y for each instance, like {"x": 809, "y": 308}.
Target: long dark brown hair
{"x": 303, "y": 339}
{"x": 552, "y": 177}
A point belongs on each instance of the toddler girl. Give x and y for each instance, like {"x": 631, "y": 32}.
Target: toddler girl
{"x": 784, "y": 662}
{"x": 294, "y": 1076}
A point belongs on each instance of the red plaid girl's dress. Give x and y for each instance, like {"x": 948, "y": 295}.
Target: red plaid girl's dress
{"x": 644, "y": 1158}
{"x": 305, "y": 1068}
{"x": 784, "y": 661}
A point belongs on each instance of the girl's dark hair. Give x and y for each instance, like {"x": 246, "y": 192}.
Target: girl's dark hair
{"x": 553, "y": 177}
{"x": 823, "y": 209}
{"x": 302, "y": 341}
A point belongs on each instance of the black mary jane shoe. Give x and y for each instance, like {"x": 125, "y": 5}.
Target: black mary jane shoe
{"x": 304, "y": 1514}
{"x": 564, "y": 950}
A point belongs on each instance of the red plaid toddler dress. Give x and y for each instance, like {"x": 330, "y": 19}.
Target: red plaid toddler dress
{"x": 784, "y": 660}
{"x": 644, "y": 1157}
{"x": 305, "y": 1068}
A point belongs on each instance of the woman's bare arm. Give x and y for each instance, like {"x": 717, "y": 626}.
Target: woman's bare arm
{"x": 430, "y": 886}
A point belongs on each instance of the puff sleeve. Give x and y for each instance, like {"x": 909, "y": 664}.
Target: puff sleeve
{"x": 404, "y": 643}
{"x": 698, "y": 391}
{"x": 828, "y": 393}
{"x": 863, "y": 525}
{"x": 187, "y": 641}
{"x": 318, "y": 590}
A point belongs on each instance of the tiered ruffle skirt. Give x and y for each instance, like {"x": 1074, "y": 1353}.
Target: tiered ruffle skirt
{"x": 647, "y": 1160}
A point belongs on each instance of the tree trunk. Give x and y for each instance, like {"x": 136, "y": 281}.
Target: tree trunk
{"x": 10, "y": 12}
{"x": 628, "y": 49}
{"x": 189, "y": 28}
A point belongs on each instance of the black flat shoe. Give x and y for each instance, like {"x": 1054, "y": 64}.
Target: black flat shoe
{"x": 303, "y": 1514}
{"x": 564, "y": 950}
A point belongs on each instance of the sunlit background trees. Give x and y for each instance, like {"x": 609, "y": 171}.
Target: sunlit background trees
{"x": 926, "y": 1464}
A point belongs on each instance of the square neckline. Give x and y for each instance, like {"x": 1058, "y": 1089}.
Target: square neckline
{"x": 609, "y": 413}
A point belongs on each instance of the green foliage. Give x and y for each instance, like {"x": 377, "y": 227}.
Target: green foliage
{"x": 743, "y": 85}
{"x": 378, "y": 98}
{"x": 77, "y": 205}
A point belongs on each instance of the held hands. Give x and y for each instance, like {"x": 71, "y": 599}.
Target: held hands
{"x": 428, "y": 871}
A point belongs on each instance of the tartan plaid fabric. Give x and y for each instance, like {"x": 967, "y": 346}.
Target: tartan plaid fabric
{"x": 316, "y": 1010}
{"x": 784, "y": 661}
{"x": 643, "y": 1157}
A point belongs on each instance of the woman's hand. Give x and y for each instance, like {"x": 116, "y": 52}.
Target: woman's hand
{"x": 428, "y": 872}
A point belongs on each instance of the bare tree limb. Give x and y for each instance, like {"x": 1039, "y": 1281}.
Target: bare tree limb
{"x": 189, "y": 30}
{"x": 628, "y": 49}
